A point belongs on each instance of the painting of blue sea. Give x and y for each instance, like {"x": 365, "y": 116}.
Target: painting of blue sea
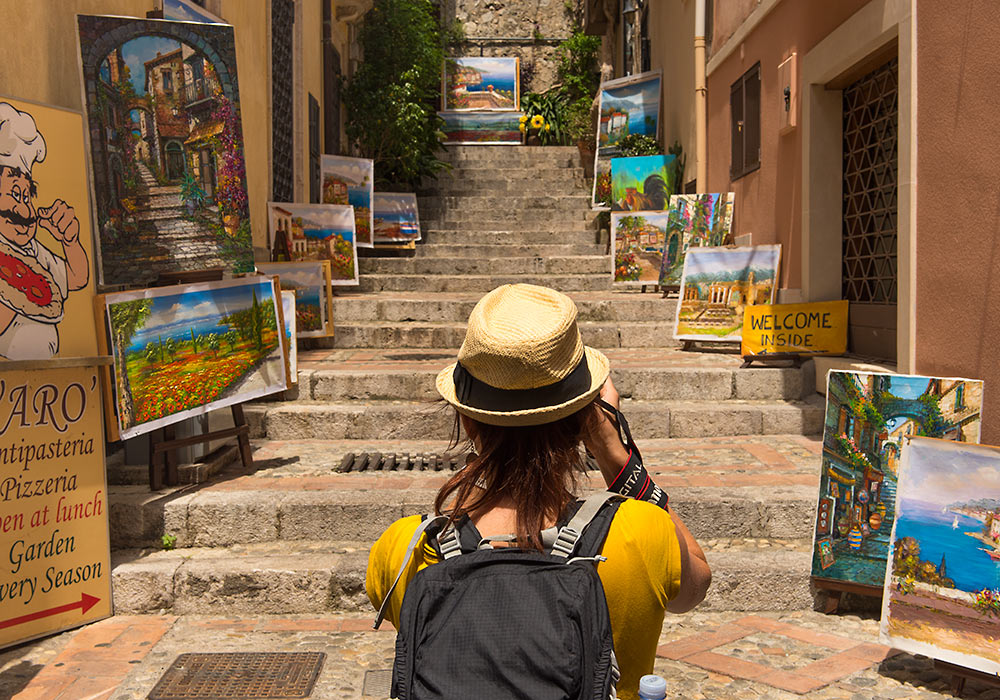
{"x": 481, "y": 128}
{"x": 942, "y": 586}
{"x": 315, "y": 232}
{"x": 350, "y": 181}
{"x": 396, "y": 217}
{"x": 481, "y": 83}
{"x": 311, "y": 283}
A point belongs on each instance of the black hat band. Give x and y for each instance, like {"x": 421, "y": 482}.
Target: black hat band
{"x": 474, "y": 393}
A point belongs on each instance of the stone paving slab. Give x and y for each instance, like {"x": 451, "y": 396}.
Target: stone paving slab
{"x": 703, "y": 656}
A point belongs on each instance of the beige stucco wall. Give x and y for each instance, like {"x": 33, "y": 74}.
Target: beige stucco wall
{"x": 958, "y": 200}
{"x": 769, "y": 200}
{"x": 671, "y": 30}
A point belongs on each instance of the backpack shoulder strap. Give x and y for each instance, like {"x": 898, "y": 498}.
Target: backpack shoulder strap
{"x": 569, "y": 534}
{"x": 424, "y": 525}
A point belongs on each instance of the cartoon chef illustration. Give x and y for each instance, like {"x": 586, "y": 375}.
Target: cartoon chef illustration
{"x": 34, "y": 281}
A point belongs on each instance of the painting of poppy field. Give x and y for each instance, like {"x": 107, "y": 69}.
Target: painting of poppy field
{"x": 185, "y": 350}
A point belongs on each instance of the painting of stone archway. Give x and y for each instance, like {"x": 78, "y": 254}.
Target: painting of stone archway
{"x": 166, "y": 142}
{"x": 869, "y": 418}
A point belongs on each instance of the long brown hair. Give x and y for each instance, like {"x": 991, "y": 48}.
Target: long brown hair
{"x": 534, "y": 467}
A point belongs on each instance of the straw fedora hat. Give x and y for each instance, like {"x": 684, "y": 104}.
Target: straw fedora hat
{"x": 522, "y": 361}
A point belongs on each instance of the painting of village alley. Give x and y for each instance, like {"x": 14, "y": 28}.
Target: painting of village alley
{"x": 868, "y": 418}
{"x": 638, "y": 245}
{"x": 179, "y": 351}
{"x": 942, "y": 597}
{"x": 166, "y": 147}
{"x": 481, "y": 82}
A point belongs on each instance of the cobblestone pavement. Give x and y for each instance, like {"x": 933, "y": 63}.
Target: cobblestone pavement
{"x": 712, "y": 656}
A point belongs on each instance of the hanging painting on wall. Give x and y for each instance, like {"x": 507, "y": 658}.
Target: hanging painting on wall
{"x": 695, "y": 220}
{"x": 637, "y": 241}
{"x": 396, "y": 218}
{"x": 644, "y": 183}
{"x": 46, "y": 251}
{"x": 629, "y": 105}
{"x": 184, "y": 350}
{"x": 481, "y": 83}
{"x": 350, "y": 181}
{"x": 718, "y": 283}
{"x": 942, "y": 587}
{"x": 313, "y": 294}
{"x": 315, "y": 232}
{"x": 166, "y": 144}
{"x": 868, "y": 418}
{"x": 481, "y": 128}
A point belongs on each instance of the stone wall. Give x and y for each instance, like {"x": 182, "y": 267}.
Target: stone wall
{"x": 529, "y": 29}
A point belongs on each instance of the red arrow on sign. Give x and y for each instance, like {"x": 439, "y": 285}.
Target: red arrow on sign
{"x": 85, "y": 603}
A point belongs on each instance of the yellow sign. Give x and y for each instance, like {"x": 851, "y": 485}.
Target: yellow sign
{"x": 55, "y": 568}
{"x": 819, "y": 328}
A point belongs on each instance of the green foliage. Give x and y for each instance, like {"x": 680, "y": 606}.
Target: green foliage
{"x": 934, "y": 423}
{"x": 191, "y": 191}
{"x": 454, "y": 33}
{"x": 639, "y": 145}
{"x": 169, "y": 541}
{"x": 391, "y": 98}
{"x": 552, "y": 106}
{"x": 578, "y": 68}
{"x": 677, "y": 166}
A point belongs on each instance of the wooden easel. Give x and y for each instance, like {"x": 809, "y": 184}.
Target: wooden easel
{"x": 768, "y": 359}
{"x": 836, "y": 589}
{"x": 960, "y": 674}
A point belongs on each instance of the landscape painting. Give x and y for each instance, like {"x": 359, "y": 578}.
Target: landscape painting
{"x": 166, "y": 146}
{"x": 942, "y": 589}
{"x": 315, "y": 232}
{"x": 481, "y": 83}
{"x": 313, "y": 294}
{"x": 351, "y": 181}
{"x": 188, "y": 11}
{"x": 869, "y": 417}
{"x": 643, "y": 183}
{"x": 637, "y": 240}
{"x": 481, "y": 128}
{"x": 288, "y": 315}
{"x": 629, "y": 105}
{"x": 396, "y": 217}
{"x": 184, "y": 350}
{"x": 718, "y": 284}
{"x": 695, "y": 220}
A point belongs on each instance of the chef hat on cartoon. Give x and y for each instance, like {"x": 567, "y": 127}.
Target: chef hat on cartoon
{"x": 21, "y": 146}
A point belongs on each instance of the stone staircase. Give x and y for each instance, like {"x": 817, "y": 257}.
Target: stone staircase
{"x": 730, "y": 445}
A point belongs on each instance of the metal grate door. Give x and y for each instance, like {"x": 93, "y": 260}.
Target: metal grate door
{"x": 871, "y": 111}
{"x": 282, "y": 102}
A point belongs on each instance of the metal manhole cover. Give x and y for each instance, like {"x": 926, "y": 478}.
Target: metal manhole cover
{"x": 240, "y": 676}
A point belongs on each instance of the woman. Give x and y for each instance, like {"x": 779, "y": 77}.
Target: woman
{"x": 528, "y": 393}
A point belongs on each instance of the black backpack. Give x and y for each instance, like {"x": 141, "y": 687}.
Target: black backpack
{"x": 504, "y": 623}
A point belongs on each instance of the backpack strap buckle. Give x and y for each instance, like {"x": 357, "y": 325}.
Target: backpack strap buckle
{"x": 565, "y": 542}
{"x": 449, "y": 544}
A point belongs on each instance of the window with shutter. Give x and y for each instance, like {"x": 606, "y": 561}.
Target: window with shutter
{"x": 744, "y": 104}
{"x": 282, "y": 102}
{"x": 331, "y": 86}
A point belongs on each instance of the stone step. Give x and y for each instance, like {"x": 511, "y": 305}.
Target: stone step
{"x": 494, "y": 219}
{"x": 471, "y": 183}
{"x": 432, "y": 205}
{"x": 566, "y": 234}
{"x": 444, "y": 307}
{"x": 327, "y": 576}
{"x": 404, "y": 420}
{"x": 481, "y": 283}
{"x": 423, "y": 334}
{"x": 500, "y": 265}
{"x": 513, "y": 156}
{"x": 488, "y": 252}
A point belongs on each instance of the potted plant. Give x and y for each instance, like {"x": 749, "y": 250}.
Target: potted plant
{"x": 191, "y": 193}
{"x": 534, "y": 129}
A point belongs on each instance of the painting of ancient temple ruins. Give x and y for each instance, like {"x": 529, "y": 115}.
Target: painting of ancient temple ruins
{"x": 869, "y": 416}
{"x": 695, "y": 220}
{"x": 481, "y": 83}
{"x": 166, "y": 142}
{"x": 718, "y": 284}
{"x": 637, "y": 241}
{"x": 300, "y": 232}
{"x": 942, "y": 588}
{"x": 351, "y": 181}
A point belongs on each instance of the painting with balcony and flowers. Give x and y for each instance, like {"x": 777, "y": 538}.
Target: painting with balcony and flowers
{"x": 869, "y": 417}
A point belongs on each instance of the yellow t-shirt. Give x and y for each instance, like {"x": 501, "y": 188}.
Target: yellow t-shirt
{"x": 642, "y": 573}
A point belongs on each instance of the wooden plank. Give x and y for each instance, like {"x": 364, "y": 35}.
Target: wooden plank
{"x": 56, "y": 363}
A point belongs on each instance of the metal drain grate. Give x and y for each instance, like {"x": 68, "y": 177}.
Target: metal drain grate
{"x": 240, "y": 676}
{"x": 378, "y": 462}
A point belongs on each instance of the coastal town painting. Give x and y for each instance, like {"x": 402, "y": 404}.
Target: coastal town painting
{"x": 300, "y": 232}
{"x": 351, "y": 181}
{"x": 642, "y": 183}
{"x": 481, "y": 83}
{"x": 718, "y": 284}
{"x": 396, "y": 217}
{"x": 628, "y": 106}
{"x": 166, "y": 146}
{"x": 637, "y": 241}
{"x": 695, "y": 220}
{"x": 288, "y": 316}
{"x": 481, "y": 128}
{"x": 184, "y": 350}
{"x": 313, "y": 294}
{"x": 869, "y": 417}
{"x": 942, "y": 589}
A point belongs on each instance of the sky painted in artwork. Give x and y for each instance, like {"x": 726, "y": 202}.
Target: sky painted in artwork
{"x": 176, "y": 10}
{"x": 501, "y": 73}
{"x": 137, "y": 51}
{"x": 945, "y": 472}
{"x": 715, "y": 260}
{"x": 639, "y": 168}
{"x": 352, "y": 170}
{"x": 339, "y": 217}
{"x": 640, "y": 99}
{"x": 658, "y": 219}
{"x": 174, "y": 315}
{"x": 298, "y": 275}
